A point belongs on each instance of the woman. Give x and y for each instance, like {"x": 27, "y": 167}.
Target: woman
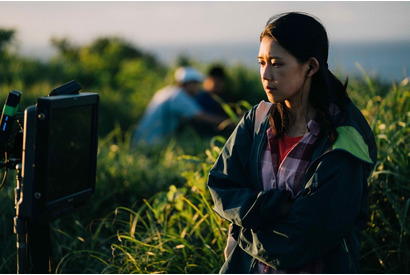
{"x": 294, "y": 186}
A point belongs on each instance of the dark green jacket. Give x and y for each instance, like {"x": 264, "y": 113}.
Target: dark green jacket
{"x": 323, "y": 223}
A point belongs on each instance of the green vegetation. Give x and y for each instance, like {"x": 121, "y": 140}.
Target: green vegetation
{"x": 386, "y": 244}
{"x": 152, "y": 212}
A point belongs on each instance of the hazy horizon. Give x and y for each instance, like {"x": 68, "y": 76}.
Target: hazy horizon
{"x": 193, "y": 23}
{"x": 217, "y": 30}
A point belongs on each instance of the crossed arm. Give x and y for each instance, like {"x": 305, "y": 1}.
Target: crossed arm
{"x": 312, "y": 225}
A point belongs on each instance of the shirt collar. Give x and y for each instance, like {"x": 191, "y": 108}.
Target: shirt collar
{"x": 313, "y": 127}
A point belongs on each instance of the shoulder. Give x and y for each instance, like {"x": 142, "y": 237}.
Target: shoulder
{"x": 167, "y": 90}
{"x": 248, "y": 128}
{"x": 355, "y": 135}
{"x": 262, "y": 111}
{"x": 180, "y": 94}
{"x": 351, "y": 141}
{"x": 184, "y": 104}
{"x": 164, "y": 94}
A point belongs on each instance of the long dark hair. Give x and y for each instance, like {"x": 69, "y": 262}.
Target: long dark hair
{"x": 304, "y": 37}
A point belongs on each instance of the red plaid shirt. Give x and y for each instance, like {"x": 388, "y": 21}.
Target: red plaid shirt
{"x": 288, "y": 176}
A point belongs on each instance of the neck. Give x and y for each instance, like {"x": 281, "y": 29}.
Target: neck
{"x": 300, "y": 109}
{"x": 300, "y": 115}
{"x": 299, "y": 105}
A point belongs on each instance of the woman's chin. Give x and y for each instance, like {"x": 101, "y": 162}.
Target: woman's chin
{"x": 272, "y": 99}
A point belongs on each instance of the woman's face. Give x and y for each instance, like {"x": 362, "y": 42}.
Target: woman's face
{"x": 283, "y": 77}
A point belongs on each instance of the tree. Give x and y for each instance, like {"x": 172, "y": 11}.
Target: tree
{"x": 65, "y": 47}
{"x": 6, "y": 37}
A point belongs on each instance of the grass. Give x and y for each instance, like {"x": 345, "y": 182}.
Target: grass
{"x": 175, "y": 231}
{"x": 152, "y": 213}
{"x": 386, "y": 244}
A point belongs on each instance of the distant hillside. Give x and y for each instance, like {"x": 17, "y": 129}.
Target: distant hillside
{"x": 388, "y": 60}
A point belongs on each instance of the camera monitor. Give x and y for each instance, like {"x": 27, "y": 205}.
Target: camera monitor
{"x": 59, "y": 155}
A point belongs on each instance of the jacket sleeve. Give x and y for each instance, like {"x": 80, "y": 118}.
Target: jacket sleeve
{"x": 316, "y": 222}
{"x": 236, "y": 197}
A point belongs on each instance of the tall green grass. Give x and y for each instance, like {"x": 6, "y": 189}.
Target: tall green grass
{"x": 175, "y": 231}
{"x": 386, "y": 246}
{"x": 152, "y": 213}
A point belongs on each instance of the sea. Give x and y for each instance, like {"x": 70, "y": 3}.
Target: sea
{"x": 388, "y": 61}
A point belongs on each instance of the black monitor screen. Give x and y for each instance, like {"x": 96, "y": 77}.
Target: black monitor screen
{"x": 59, "y": 155}
{"x": 69, "y": 151}
{"x": 66, "y": 151}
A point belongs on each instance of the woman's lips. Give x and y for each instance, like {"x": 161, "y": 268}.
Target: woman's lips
{"x": 270, "y": 89}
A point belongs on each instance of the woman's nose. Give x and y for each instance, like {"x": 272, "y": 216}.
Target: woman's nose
{"x": 266, "y": 73}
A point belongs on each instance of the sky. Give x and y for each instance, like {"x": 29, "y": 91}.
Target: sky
{"x": 169, "y": 27}
{"x": 152, "y": 22}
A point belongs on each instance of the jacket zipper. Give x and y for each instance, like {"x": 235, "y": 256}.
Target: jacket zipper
{"x": 313, "y": 164}
{"x": 319, "y": 158}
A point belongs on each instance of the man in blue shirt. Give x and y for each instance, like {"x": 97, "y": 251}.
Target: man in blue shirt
{"x": 171, "y": 107}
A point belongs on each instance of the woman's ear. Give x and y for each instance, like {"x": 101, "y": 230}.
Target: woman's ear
{"x": 313, "y": 67}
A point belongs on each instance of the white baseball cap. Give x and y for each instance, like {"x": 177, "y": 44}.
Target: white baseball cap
{"x": 187, "y": 74}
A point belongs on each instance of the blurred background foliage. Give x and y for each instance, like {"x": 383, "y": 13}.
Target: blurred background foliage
{"x": 152, "y": 212}
{"x": 123, "y": 75}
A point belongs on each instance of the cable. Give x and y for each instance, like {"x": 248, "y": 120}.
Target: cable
{"x": 5, "y": 172}
{"x": 301, "y": 96}
{"x": 4, "y": 178}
